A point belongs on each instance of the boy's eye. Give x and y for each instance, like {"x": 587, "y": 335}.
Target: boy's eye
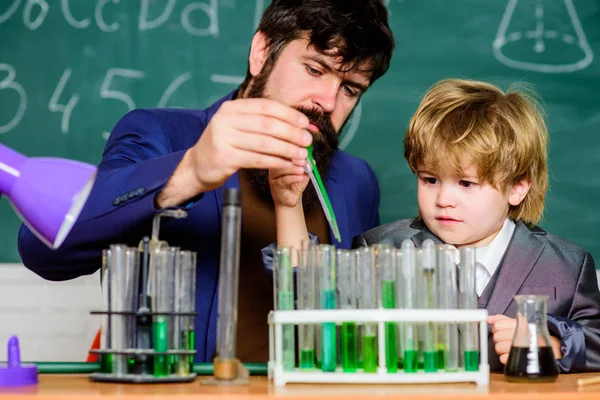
{"x": 429, "y": 180}
{"x": 467, "y": 184}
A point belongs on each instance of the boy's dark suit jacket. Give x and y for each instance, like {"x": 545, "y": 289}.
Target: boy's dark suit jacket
{"x": 535, "y": 262}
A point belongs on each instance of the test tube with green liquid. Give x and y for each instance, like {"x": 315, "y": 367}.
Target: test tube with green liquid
{"x": 327, "y": 278}
{"x": 399, "y": 304}
{"x": 429, "y": 300}
{"x": 409, "y": 278}
{"x": 368, "y": 300}
{"x": 447, "y": 332}
{"x": 284, "y": 300}
{"x": 306, "y": 301}
{"x": 384, "y": 263}
{"x": 173, "y": 334}
{"x": 186, "y": 300}
{"x": 163, "y": 302}
{"x": 346, "y": 286}
{"x": 468, "y": 301}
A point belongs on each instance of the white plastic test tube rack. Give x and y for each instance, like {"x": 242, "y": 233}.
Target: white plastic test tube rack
{"x": 281, "y": 377}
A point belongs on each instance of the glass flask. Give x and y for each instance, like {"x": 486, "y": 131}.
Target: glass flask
{"x": 531, "y": 358}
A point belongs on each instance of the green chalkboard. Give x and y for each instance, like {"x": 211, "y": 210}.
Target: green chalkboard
{"x": 70, "y": 69}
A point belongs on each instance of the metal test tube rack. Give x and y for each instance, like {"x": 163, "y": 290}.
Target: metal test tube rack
{"x": 145, "y": 340}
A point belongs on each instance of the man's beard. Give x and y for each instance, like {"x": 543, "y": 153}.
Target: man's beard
{"x": 325, "y": 144}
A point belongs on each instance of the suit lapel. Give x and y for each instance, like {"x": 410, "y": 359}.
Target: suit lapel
{"x": 424, "y": 233}
{"x": 521, "y": 256}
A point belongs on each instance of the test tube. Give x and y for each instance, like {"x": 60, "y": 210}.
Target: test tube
{"x": 447, "y": 332}
{"x": 118, "y": 288}
{"x": 399, "y": 303}
{"x": 468, "y": 301}
{"x": 284, "y": 300}
{"x": 409, "y": 276}
{"x": 228, "y": 283}
{"x": 133, "y": 290}
{"x": 306, "y": 301}
{"x": 346, "y": 286}
{"x": 384, "y": 264}
{"x": 368, "y": 300}
{"x": 326, "y": 265}
{"x": 429, "y": 301}
{"x": 187, "y": 300}
{"x": 163, "y": 302}
{"x": 106, "y": 329}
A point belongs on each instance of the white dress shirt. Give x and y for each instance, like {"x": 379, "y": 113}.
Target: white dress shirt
{"x": 488, "y": 258}
{"x": 491, "y": 255}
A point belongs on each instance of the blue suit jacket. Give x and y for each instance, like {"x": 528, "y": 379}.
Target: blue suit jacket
{"x": 142, "y": 152}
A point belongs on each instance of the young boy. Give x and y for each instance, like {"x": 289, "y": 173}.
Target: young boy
{"x": 480, "y": 156}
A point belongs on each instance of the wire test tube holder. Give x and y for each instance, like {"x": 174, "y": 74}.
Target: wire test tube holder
{"x": 135, "y": 350}
{"x": 281, "y": 377}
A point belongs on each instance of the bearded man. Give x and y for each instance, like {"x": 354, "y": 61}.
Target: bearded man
{"x": 310, "y": 62}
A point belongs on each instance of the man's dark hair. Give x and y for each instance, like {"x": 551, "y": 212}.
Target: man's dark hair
{"x": 357, "y": 29}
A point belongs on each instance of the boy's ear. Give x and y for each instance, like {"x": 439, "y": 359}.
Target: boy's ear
{"x": 258, "y": 53}
{"x": 518, "y": 192}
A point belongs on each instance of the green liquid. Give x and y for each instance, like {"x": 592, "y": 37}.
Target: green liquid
{"x": 286, "y": 302}
{"x": 441, "y": 358}
{"x": 106, "y": 363}
{"x": 161, "y": 363}
{"x": 328, "y": 334}
{"x": 471, "y": 360}
{"x": 349, "y": 347}
{"x": 369, "y": 353}
{"x": 191, "y": 346}
{"x": 184, "y": 364}
{"x": 410, "y": 360}
{"x": 388, "y": 293}
{"x": 430, "y": 361}
{"x": 307, "y": 359}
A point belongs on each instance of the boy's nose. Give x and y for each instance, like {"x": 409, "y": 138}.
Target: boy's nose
{"x": 445, "y": 197}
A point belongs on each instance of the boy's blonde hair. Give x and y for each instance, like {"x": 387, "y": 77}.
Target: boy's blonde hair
{"x": 502, "y": 134}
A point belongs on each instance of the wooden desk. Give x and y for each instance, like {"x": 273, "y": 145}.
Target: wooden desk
{"x": 66, "y": 387}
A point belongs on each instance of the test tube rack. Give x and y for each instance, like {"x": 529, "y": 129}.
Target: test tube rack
{"x": 281, "y": 377}
{"x": 137, "y": 359}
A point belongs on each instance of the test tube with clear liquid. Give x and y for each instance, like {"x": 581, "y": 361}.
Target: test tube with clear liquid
{"x": 226, "y": 365}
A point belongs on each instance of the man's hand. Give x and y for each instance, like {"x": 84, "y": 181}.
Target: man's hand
{"x": 243, "y": 133}
{"x": 503, "y": 331}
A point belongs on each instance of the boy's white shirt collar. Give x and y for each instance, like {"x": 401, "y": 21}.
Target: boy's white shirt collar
{"x": 494, "y": 252}
{"x": 491, "y": 255}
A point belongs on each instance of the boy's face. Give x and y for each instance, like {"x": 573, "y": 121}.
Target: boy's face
{"x": 461, "y": 211}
